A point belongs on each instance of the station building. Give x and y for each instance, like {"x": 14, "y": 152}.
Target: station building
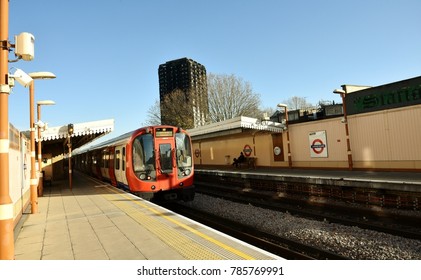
{"x": 376, "y": 128}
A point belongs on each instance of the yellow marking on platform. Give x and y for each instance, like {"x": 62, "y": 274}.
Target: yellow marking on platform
{"x": 172, "y": 237}
{"x": 178, "y": 242}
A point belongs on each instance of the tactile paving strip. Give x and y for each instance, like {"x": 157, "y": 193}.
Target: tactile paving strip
{"x": 179, "y": 242}
{"x": 188, "y": 241}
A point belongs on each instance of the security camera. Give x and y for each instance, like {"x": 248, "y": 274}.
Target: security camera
{"x": 24, "y": 46}
{"x": 23, "y": 78}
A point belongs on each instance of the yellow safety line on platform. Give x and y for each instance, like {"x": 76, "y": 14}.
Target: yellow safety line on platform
{"x": 169, "y": 235}
{"x": 190, "y": 229}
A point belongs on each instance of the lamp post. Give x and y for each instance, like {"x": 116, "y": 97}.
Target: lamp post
{"x": 7, "y": 248}
{"x": 41, "y": 175}
{"x": 342, "y": 93}
{"x": 70, "y": 130}
{"x": 34, "y": 182}
{"x": 25, "y": 52}
{"x": 287, "y": 129}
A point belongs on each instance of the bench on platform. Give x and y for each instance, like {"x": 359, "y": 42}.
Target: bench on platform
{"x": 249, "y": 162}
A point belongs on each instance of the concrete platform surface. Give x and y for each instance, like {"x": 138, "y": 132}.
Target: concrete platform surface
{"x": 95, "y": 221}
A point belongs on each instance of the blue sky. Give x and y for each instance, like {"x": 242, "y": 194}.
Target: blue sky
{"x": 106, "y": 53}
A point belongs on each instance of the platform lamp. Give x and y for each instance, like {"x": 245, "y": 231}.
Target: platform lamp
{"x": 281, "y": 105}
{"x": 34, "y": 181}
{"x": 40, "y": 126}
{"x": 70, "y": 131}
{"x": 342, "y": 93}
{"x": 7, "y": 82}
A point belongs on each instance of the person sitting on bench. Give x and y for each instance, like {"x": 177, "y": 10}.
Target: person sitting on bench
{"x": 239, "y": 160}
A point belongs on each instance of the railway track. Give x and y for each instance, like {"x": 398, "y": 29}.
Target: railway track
{"x": 283, "y": 247}
{"x": 396, "y": 224}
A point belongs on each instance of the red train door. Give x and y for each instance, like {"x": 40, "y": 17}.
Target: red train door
{"x": 167, "y": 173}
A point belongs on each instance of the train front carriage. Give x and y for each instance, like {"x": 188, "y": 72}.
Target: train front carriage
{"x": 153, "y": 162}
{"x": 160, "y": 163}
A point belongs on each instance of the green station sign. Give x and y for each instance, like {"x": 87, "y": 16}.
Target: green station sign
{"x": 394, "y": 95}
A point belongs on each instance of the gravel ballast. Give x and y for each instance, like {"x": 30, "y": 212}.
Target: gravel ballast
{"x": 351, "y": 242}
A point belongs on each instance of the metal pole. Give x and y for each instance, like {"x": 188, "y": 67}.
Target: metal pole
{"x": 41, "y": 175}
{"x": 348, "y": 144}
{"x": 288, "y": 144}
{"x": 70, "y": 163}
{"x": 34, "y": 181}
{"x": 7, "y": 248}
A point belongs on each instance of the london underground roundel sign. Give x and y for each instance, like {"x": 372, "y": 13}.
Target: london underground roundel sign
{"x": 247, "y": 150}
{"x": 318, "y": 146}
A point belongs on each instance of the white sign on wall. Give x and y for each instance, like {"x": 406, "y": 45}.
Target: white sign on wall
{"x": 318, "y": 144}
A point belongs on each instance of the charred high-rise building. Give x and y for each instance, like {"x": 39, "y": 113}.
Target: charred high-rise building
{"x": 189, "y": 77}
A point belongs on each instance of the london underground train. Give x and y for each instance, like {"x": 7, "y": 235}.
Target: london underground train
{"x": 154, "y": 162}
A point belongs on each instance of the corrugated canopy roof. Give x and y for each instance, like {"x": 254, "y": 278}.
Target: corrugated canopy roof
{"x": 235, "y": 125}
{"x": 83, "y": 133}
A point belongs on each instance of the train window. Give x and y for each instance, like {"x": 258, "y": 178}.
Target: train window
{"x": 111, "y": 159}
{"x": 183, "y": 154}
{"x": 103, "y": 160}
{"x": 117, "y": 159}
{"x": 106, "y": 160}
{"x": 124, "y": 159}
{"x": 143, "y": 157}
{"x": 165, "y": 158}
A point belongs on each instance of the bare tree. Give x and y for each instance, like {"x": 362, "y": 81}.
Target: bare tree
{"x": 296, "y": 102}
{"x": 229, "y": 97}
{"x": 322, "y": 103}
{"x": 154, "y": 114}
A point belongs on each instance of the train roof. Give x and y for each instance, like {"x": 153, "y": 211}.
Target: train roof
{"x": 122, "y": 139}
{"x": 115, "y": 141}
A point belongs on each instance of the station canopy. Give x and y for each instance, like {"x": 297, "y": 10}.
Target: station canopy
{"x": 78, "y": 134}
{"x": 234, "y": 126}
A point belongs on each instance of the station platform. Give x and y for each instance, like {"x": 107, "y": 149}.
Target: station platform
{"x": 388, "y": 180}
{"x": 95, "y": 221}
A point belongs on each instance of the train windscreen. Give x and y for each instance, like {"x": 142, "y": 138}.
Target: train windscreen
{"x": 143, "y": 157}
{"x": 165, "y": 158}
{"x": 184, "y": 154}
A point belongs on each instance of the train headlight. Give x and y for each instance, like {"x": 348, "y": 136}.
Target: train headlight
{"x": 153, "y": 187}
{"x": 144, "y": 177}
{"x": 187, "y": 172}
